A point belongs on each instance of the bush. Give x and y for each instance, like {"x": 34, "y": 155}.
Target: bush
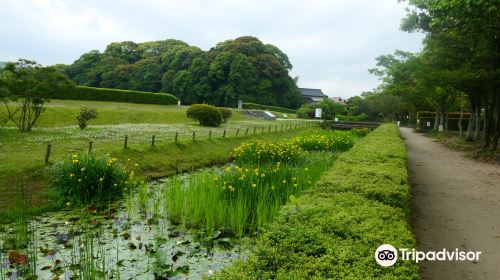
{"x": 256, "y": 106}
{"x": 333, "y": 229}
{"x": 87, "y": 178}
{"x": 86, "y": 114}
{"x": 115, "y": 95}
{"x": 207, "y": 115}
{"x": 225, "y": 112}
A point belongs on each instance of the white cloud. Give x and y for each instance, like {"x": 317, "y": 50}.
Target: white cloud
{"x": 330, "y": 43}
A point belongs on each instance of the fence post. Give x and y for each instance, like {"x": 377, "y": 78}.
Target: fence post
{"x": 224, "y": 134}
{"x": 194, "y": 135}
{"x": 262, "y": 130}
{"x": 153, "y": 140}
{"x": 47, "y": 153}
{"x": 125, "y": 143}
{"x": 246, "y": 132}
{"x": 254, "y": 129}
{"x": 269, "y": 129}
{"x": 176, "y": 136}
{"x": 90, "y": 147}
{"x": 237, "y": 132}
{"x": 295, "y": 126}
{"x": 210, "y": 134}
{"x": 276, "y": 128}
{"x": 281, "y": 127}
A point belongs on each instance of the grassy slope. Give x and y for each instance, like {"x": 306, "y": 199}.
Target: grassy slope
{"x": 334, "y": 229}
{"x": 22, "y": 154}
{"x": 63, "y": 113}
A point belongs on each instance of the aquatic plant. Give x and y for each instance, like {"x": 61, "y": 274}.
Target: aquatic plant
{"x": 326, "y": 141}
{"x": 88, "y": 178}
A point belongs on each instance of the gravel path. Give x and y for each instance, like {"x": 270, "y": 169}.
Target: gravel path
{"x": 455, "y": 204}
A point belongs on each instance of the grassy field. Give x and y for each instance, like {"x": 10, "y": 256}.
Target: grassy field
{"x": 63, "y": 113}
{"x": 22, "y": 154}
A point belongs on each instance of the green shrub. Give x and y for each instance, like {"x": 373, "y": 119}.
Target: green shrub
{"x": 247, "y": 105}
{"x": 361, "y": 132}
{"x": 225, "y": 112}
{"x": 115, "y": 95}
{"x": 85, "y": 115}
{"x": 305, "y": 113}
{"x": 333, "y": 229}
{"x": 87, "y": 178}
{"x": 206, "y": 115}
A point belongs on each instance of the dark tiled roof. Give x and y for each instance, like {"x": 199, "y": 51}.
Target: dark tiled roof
{"x": 312, "y": 92}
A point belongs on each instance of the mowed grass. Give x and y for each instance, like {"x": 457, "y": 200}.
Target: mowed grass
{"x": 63, "y": 113}
{"x": 22, "y": 154}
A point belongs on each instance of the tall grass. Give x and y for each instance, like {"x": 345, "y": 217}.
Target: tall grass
{"x": 241, "y": 199}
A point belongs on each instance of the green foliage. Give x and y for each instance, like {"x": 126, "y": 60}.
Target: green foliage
{"x": 85, "y": 115}
{"x": 325, "y": 141}
{"x": 353, "y": 118}
{"x": 87, "y": 178}
{"x": 28, "y": 84}
{"x": 116, "y": 95}
{"x": 207, "y": 115}
{"x": 247, "y": 105}
{"x": 242, "y": 198}
{"x": 226, "y": 113}
{"x": 360, "y": 132}
{"x": 333, "y": 230}
{"x": 330, "y": 109}
{"x": 239, "y": 69}
{"x": 257, "y": 152}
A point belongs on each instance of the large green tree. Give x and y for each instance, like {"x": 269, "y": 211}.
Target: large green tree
{"x": 240, "y": 69}
{"x": 24, "y": 89}
{"x": 465, "y": 36}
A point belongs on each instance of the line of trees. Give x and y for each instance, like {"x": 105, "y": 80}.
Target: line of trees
{"x": 457, "y": 70}
{"x": 243, "y": 68}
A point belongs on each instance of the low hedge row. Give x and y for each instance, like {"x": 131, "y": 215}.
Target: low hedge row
{"x": 247, "y": 105}
{"x": 116, "y": 95}
{"x": 334, "y": 229}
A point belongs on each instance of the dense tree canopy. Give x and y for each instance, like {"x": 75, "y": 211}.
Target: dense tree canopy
{"x": 243, "y": 68}
{"x": 457, "y": 69}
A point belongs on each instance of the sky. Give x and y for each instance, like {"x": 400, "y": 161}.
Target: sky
{"x": 331, "y": 44}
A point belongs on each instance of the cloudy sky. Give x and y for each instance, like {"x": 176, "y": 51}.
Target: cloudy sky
{"x": 331, "y": 44}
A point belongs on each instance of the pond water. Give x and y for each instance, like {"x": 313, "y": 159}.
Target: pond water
{"x": 129, "y": 239}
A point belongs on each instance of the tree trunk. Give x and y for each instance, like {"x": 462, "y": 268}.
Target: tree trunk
{"x": 460, "y": 128}
{"x": 470, "y": 128}
{"x": 478, "y": 122}
{"x": 489, "y": 108}
{"x": 436, "y": 120}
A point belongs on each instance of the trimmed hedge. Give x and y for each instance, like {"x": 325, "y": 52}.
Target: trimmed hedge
{"x": 116, "y": 95}
{"x": 335, "y": 228}
{"x": 268, "y": 108}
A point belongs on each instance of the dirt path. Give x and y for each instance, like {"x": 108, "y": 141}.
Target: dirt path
{"x": 456, "y": 204}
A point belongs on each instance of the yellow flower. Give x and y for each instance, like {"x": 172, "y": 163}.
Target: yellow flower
{"x": 83, "y": 169}
{"x": 101, "y": 179}
{"x": 284, "y": 181}
{"x": 74, "y": 161}
{"x": 136, "y": 165}
{"x": 254, "y": 185}
{"x": 71, "y": 175}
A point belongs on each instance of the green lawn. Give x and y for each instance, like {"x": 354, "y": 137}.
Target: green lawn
{"x": 22, "y": 154}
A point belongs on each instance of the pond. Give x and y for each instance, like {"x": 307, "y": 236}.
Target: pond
{"x": 129, "y": 239}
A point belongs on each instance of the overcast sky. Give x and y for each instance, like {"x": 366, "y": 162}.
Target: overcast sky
{"x": 331, "y": 44}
